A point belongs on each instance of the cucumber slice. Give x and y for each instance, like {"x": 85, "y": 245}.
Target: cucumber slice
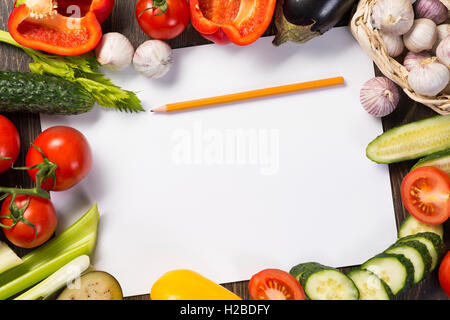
{"x": 326, "y": 283}
{"x": 432, "y": 241}
{"x": 370, "y": 287}
{"x": 301, "y": 268}
{"x": 440, "y": 160}
{"x": 394, "y": 269}
{"x": 417, "y": 253}
{"x": 411, "y": 141}
{"x": 411, "y": 226}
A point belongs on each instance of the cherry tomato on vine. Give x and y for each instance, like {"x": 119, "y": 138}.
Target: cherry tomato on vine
{"x": 9, "y": 144}
{"x": 425, "y": 194}
{"x": 444, "y": 274}
{"x": 39, "y": 212}
{"x": 65, "y": 147}
{"x": 274, "y": 284}
{"x": 162, "y": 19}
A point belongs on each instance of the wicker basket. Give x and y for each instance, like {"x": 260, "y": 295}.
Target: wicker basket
{"x": 371, "y": 42}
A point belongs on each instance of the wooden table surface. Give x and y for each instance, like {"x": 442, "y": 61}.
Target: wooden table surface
{"x": 123, "y": 20}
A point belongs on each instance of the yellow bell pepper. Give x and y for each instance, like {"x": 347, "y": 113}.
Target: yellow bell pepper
{"x": 188, "y": 285}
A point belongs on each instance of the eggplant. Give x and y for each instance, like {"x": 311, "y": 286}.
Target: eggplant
{"x": 301, "y": 20}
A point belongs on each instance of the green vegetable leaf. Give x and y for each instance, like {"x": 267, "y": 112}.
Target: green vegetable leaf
{"x": 82, "y": 70}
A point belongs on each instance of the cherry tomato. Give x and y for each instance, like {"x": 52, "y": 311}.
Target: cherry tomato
{"x": 9, "y": 144}
{"x": 425, "y": 194}
{"x": 40, "y": 212}
{"x": 159, "y": 24}
{"x": 68, "y": 149}
{"x": 444, "y": 274}
{"x": 274, "y": 284}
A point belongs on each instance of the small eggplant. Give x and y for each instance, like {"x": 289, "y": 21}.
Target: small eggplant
{"x": 301, "y": 20}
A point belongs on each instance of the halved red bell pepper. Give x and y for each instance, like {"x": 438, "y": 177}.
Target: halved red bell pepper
{"x": 101, "y": 8}
{"x": 239, "y": 21}
{"x": 35, "y": 25}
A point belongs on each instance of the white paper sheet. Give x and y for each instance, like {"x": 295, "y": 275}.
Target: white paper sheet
{"x": 231, "y": 190}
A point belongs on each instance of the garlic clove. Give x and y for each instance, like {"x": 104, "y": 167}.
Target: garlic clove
{"x": 395, "y": 17}
{"x": 443, "y": 31}
{"x": 443, "y": 52}
{"x": 421, "y": 36}
{"x": 114, "y": 51}
{"x": 153, "y": 59}
{"x": 379, "y": 96}
{"x": 429, "y": 78}
{"x": 393, "y": 43}
{"x": 431, "y": 9}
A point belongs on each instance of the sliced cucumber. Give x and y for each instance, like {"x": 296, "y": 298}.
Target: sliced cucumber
{"x": 411, "y": 226}
{"x": 370, "y": 286}
{"x": 301, "y": 268}
{"x": 432, "y": 241}
{"x": 417, "y": 253}
{"x": 439, "y": 160}
{"x": 394, "y": 269}
{"x": 411, "y": 141}
{"x": 326, "y": 283}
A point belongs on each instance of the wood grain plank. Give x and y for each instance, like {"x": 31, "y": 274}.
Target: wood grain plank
{"x": 123, "y": 20}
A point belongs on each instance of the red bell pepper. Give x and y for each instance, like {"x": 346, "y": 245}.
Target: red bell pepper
{"x": 38, "y": 25}
{"x": 101, "y": 8}
{"x": 239, "y": 21}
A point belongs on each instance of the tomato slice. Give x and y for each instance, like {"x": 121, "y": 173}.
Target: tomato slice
{"x": 425, "y": 194}
{"x": 274, "y": 284}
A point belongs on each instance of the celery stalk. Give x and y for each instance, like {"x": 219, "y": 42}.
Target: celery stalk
{"x": 58, "y": 280}
{"x": 8, "y": 258}
{"x": 79, "y": 239}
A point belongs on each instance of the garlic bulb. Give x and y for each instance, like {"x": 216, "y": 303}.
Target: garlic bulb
{"x": 394, "y": 44}
{"x": 431, "y": 9}
{"x": 413, "y": 60}
{"x": 153, "y": 59}
{"x": 443, "y": 52}
{"x": 422, "y": 35}
{"x": 429, "y": 78}
{"x": 114, "y": 51}
{"x": 395, "y": 17}
{"x": 379, "y": 96}
{"x": 443, "y": 31}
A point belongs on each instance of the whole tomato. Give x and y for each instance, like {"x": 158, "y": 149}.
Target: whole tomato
{"x": 40, "y": 212}
{"x": 68, "y": 149}
{"x": 162, "y": 19}
{"x": 9, "y": 144}
{"x": 444, "y": 274}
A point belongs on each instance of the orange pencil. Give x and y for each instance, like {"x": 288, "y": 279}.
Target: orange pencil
{"x": 179, "y": 106}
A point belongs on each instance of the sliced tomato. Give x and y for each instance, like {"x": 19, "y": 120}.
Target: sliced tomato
{"x": 274, "y": 284}
{"x": 425, "y": 194}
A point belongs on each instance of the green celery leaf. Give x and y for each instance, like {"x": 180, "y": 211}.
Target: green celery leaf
{"x": 83, "y": 70}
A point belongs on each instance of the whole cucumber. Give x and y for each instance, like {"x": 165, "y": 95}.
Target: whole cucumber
{"x": 34, "y": 93}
